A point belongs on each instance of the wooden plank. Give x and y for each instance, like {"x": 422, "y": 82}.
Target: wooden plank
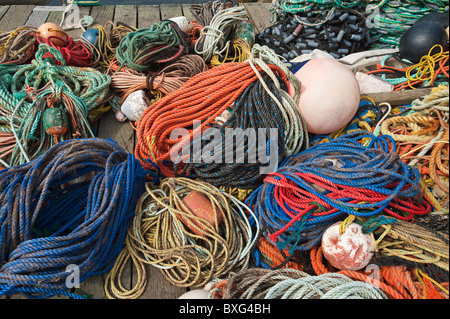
{"x": 398, "y": 97}
{"x": 37, "y": 18}
{"x": 187, "y": 12}
{"x": 15, "y": 17}
{"x": 260, "y": 15}
{"x": 126, "y": 14}
{"x": 170, "y": 11}
{"x": 3, "y": 10}
{"x": 148, "y": 15}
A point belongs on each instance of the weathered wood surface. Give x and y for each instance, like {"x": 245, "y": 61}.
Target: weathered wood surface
{"x": 141, "y": 16}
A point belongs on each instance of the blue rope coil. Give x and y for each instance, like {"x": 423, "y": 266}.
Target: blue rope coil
{"x": 69, "y": 207}
{"x": 329, "y": 181}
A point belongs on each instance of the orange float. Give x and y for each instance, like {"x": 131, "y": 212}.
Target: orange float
{"x": 53, "y": 33}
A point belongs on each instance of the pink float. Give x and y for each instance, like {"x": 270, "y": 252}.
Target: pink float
{"x": 350, "y": 251}
{"x": 329, "y": 95}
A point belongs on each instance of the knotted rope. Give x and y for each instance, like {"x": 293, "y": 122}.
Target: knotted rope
{"x": 229, "y": 88}
{"x": 69, "y": 207}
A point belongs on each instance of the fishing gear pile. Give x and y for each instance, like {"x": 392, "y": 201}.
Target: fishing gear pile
{"x": 102, "y": 41}
{"x": 261, "y": 162}
{"x": 65, "y": 212}
{"x": 259, "y": 283}
{"x": 21, "y": 45}
{"x": 18, "y": 46}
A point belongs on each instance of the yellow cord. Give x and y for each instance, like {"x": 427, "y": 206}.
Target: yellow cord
{"x": 425, "y": 67}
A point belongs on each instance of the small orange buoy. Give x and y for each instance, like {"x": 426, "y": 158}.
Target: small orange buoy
{"x": 53, "y": 31}
{"x": 201, "y": 207}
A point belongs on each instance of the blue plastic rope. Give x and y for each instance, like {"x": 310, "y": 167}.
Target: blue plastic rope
{"x": 70, "y": 206}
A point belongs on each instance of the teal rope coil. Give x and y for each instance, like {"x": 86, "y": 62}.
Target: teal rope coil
{"x": 70, "y": 207}
{"x": 25, "y": 92}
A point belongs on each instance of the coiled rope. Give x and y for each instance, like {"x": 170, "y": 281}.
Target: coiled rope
{"x": 74, "y": 53}
{"x": 162, "y": 42}
{"x": 27, "y": 91}
{"x": 432, "y": 70}
{"x": 18, "y": 46}
{"x": 216, "y": 36}
{"x": 203, "y": 13}
{"x": 257, "y": 283}
{"x": 159, "y": 236}
{"x": 421, "y": 137}
{"x": 401, "y": 245}
{"x": 397, "y": 282}
{"x": 324, "y": 183}
{"x": 169, "y": 79}
{"x": 109, "y": 37}
{"x": 388, "y": 20}
{"x": 69, "y": 207}
{"x": 341, "y": 34}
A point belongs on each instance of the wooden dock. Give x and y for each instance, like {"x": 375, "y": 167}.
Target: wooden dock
{"x": 142, "y": 16}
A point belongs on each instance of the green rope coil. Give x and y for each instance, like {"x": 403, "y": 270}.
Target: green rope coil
{"x": 25, "y": 93}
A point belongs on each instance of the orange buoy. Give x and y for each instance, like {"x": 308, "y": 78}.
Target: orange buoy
{"x": 329, "y": 95}
{"x": 202, "y": 207}
{"x": 53, "y": 33}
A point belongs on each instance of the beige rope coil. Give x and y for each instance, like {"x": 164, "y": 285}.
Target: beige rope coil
{"x": 158, "y": 237}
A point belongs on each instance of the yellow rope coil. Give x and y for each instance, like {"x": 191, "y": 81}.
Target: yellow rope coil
{"x": 159, "y": 237}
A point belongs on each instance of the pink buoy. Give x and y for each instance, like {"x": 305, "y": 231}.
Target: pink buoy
{"x": 329, "y": 95}
{"x": 350, "y": 251}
